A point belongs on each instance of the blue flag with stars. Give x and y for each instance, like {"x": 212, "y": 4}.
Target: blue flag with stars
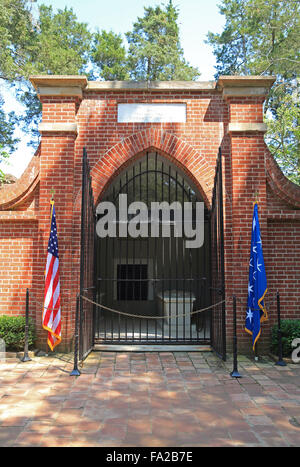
{"x": 257, "y": 286}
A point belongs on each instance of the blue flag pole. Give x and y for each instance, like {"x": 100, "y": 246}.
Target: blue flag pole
{"x": 257, "y": 285}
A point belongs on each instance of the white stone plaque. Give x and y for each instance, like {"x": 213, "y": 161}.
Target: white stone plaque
{"x": 151, "y": 113}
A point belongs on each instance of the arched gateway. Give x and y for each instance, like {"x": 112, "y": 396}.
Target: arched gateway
{"x": 149, "y": 250}
{"x": 146, "y": 268}
{"x": 150, "y": 143}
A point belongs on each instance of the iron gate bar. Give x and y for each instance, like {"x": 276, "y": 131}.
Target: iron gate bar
{"x": 88, "y": 272}
{"x": 82, "y": 252}
{"x": 163, "y": 272}
{"x": 222, "y": 255}
{"x": 218, "y": 324}
{"x": 176, "y": 266}
{"x": 156, "y": 282}
{"x": 140, "y": 251}
{"x": 148, "y": 247}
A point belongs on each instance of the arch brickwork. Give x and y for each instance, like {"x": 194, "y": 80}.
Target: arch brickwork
{"x": 169, "y": 145}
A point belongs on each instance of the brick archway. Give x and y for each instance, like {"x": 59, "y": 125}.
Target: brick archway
{"x": 168, "y": 145}
{"x": 182, "y": 154}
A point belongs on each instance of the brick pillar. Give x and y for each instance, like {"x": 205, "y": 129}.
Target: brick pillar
{"x": 60, "y": 98}
{"x": 245, "y": 97}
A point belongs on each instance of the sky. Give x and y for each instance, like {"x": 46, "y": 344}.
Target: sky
{"x": 196, "y": 18}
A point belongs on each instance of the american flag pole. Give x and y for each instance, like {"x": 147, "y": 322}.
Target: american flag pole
{"x": 52, "y": 310}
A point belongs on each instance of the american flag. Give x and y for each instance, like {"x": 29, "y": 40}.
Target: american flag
{"x": 52, "y": 313}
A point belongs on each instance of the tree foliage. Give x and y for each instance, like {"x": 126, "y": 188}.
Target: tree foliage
{"x": 15, "y": 47}
{"x": 54, "y": 43}
{"x": 263, "y": 38}
{"x": 7, "y": 126}
{"x": 16, "y": 39}
{"x": 109, "y": 56}
{"x": 7, "y": 139}
{"x": 283, "y": 136}
{"x": 154, "y": 51}
{"x": 259, "y": 37}
{"x": 61, "y": 46}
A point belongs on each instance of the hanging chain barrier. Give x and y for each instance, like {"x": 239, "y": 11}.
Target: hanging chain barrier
{"x": 151, "y": 317}
{"x": 78, "y": 361}
{"x": 100, "y": 305}
{"x": 229, "y": 300}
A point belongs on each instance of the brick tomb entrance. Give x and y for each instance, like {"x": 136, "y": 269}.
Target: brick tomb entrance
{"x": 179, "y": 126}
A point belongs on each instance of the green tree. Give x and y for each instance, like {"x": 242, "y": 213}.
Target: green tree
{"x": 154, "y": 51}
{"x": 15, "y": 46}
{"x": 109, "y": 56}
{"x": 7, "y": 140}
{"x": 263, "y": 38}
{"x": 54, "y": 43}
{"x": 16, "y": 39}
{"x": 61, "y": 45}
{"x": 283, "y": 136}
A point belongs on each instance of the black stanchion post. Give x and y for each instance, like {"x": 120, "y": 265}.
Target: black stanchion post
{"x": 26, "y": 357}
{"x": 280, "y": 361}
{"x": 256, "y": 357}
{"x": 235, "y": 373}
{"x": 75, "y": 371}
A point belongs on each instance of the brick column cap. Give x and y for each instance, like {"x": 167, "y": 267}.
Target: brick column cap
{"x": 59, "y": 85}
{"x": 243, "y": 86}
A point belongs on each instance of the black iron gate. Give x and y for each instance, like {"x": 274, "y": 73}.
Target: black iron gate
{"x": 158, "y": 277}
{"x": 218, "y": 323}
{"x": 87, "y": 262}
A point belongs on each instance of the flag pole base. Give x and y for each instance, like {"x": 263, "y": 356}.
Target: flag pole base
{"x": 235, "y": 374}
{"x": 75, "y": 372}
{"x": 26, "y": 359}
{"x": 280, "y": 363}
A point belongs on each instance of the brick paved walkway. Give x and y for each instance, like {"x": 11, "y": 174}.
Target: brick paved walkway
{"x": 148, "y": 399}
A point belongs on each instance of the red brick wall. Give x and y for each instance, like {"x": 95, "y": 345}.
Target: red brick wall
{"x": 58, "y": 109}
{"x": 247, "y": 109}
{"x": 283, "y": 265}
{"x": 99, "y": 130}
{"x": 17, "y": 253}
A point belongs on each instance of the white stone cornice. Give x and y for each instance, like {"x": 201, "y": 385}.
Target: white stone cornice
{"x": 59, "y": 80}
{"x": 61, "y": 91}
{"x": 58, "y": 127}
{"x": 247, "y": 127}
{"x": 59, "y": 85}
{"x": 245, "y": 91}
{"x": 245, "y": 86}
{"x": 231, "y": 81}
{"x": 94, "y": 86}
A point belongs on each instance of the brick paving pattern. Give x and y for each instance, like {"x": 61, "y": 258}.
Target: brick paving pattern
{"x": 148, "y": 399}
